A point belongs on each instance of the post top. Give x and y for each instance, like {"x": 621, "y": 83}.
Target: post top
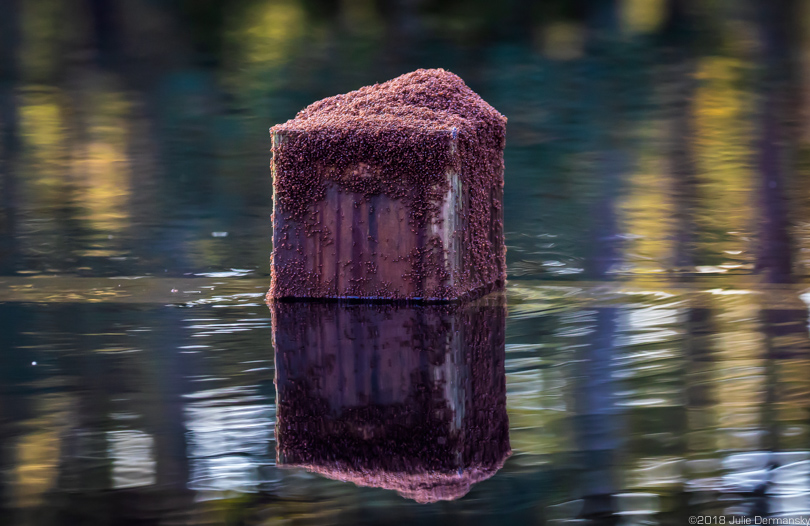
{"x": 424, "y": 101}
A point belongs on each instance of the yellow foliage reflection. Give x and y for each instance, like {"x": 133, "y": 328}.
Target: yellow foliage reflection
{"x": 44, "y": 135}
{"x": 646, "y": 212}
{"x": 268, "y": 33}
{"x": 739, "y": 377}
{"x": 642, "y": 16}
{"x": 102, "y": 169}
{"x": 722, "y": 147}
{"x": 76, "y": 153}
{"x": 37, "y": 454}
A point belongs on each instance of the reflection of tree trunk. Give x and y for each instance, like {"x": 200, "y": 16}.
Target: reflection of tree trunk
{"x": 168, "y": 421}
{"x": 603, "y": 252}
{"x": 680, "y": 86}
{"x": 603, "y": 23}
{"x": 84, "y": 462}
{"x": 698, "y": 383}
{"x": 518, "y": 25}
{"x": 699, "y": 357}
{"x": 402, "y": 34}
{"x": 786, "y": 343}
{"x": 783, "y": 326}
{"x": 9, "y": 132}
{"x": 604, "y": 244}
{"x": 678, "y": 22}
{"x": 146, "y": 169}
{"x": 700, "y": 398}
{"x": 106, "y": 29}
{"x": 596, "y": 426}
{"x": 774, "y": 255}
{"x": 770, "y": 420}
{"x": 787, "y": 348}
{"x": 682, "y": 165}
{"x": 101, "y": 388}
{"x": 14, "y": 405}
{"x": 9, "y": 72}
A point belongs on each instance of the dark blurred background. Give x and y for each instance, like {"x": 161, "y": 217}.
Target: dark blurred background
{"x": 135, "y": 133}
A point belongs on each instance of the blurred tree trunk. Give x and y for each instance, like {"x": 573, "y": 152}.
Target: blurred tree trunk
{"x": 596, "y": 425}
{"x": 15, "y": 401}
{"x": 9, "y": 133}
{"x": 603, "y": 24}
{"x": 403, "y": 34}
{"x": 680, "y": 84}
{"x": 605, "y": 112}
{"x": 775, "y": 21}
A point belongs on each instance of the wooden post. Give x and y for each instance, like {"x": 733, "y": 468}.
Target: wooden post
{"x": 385, "y": 207}
{"x": 368, "y": 252}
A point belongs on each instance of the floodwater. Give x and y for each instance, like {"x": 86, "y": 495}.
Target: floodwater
{"x": 648, "y": 361}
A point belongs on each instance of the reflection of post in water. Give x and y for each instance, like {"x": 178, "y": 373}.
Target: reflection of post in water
{"x": 409, "y": 398}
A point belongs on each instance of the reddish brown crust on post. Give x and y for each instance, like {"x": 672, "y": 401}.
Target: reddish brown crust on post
{"x": 393, "y": 142}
